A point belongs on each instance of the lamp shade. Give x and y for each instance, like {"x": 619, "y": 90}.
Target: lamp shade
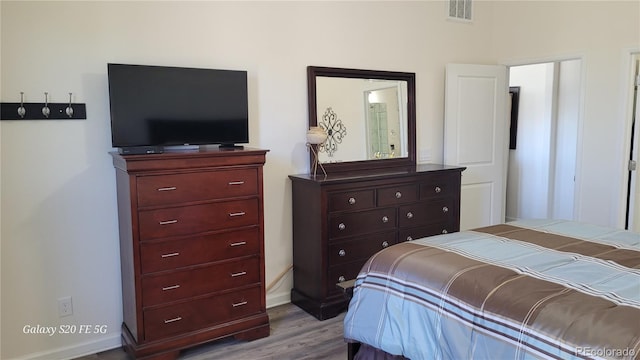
{"x": 316, "y": 135}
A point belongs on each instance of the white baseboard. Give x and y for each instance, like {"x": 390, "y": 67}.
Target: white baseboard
{"x": 109, "y": 342}
{"x": 278, "y": 299}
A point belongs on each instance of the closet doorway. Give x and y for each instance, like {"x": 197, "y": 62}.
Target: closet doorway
{"x": 541, "y": 177}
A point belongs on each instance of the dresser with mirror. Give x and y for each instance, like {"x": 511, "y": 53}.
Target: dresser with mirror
{"x": 374, "y": 194}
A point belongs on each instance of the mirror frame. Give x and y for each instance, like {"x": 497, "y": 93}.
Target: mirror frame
{"x": 410, "y": 78}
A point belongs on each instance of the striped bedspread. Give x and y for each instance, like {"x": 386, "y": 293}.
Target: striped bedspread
{"x": 544, "y": 289}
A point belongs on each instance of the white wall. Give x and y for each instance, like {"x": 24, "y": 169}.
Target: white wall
{"x": 566, "y": 139}
{"x": 544, "y": 161}
{"x": 602, "y": 34}
{"x": 59, "y": 227}
{"x": 528, "y": 175}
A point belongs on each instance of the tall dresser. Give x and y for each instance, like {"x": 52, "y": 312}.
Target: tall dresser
{"x": 192, "y": 249}
{"x": 342, "y": 219}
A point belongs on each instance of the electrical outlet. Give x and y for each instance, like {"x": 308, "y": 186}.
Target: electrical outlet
{"x": 65, "y": 306}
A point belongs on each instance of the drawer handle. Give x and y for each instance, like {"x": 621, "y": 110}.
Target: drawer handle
{"x": 241, "y": 273}
{"x": 409, "y": 238}
{"x": 239, "y": 243}
{"x": 173, "y": 287}
{"x": 444, "y": 231}
{"x": 168, "y": 222}
{"x": 342, "y": 252}
{"x": 170, "y": 255}
{"x": 409, "y": 215}
{"x": 342, "y": 226}
{"x": 241, "y": 213}
{"x": 236, "y": 182}
{"x": 398, "y": 194}
{"x": 385, "y": 244}
{"x": 173, "y": 320}
{"x": 385, "y": 219}
{"x": 352, "y": 200}
{"x": 437, "y": 189}
{"x": 240, "y": 303}
{"x": 445, "y": 209}
{"x": 170, "y": 188}
{"x": 341, "y": 278}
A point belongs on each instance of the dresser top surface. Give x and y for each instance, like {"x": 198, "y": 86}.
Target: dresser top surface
{"x": 188, "y": 159}
{"x": 420, "y": 169}
{"x": 190, "y": 153}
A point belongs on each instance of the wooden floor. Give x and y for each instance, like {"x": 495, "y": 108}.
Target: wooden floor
{"x": 294, "y": 335}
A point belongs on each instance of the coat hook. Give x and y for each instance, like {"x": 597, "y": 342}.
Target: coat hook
{"x": 21, "y": 110}
{"x": 69, "y": 109}
{"x": 45, "y": 110}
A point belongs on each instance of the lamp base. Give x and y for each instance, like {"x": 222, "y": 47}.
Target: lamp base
{"x": 316, "y": 161}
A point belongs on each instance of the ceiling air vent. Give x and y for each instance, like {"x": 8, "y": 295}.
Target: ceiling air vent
{"x": 460, "y": 10}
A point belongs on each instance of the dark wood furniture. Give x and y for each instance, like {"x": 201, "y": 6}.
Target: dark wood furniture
{"x": 339, "y": 221}
{"x": 408, "y": 122}
{"x": 192, "y": 249}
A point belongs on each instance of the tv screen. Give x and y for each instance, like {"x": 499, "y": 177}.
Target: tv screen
{"x": 168, "y": 106}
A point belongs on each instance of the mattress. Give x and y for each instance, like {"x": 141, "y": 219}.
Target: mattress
{"x": 544, "y": 289}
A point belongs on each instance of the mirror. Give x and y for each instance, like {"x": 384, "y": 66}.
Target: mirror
{"x": 369, "y": 117}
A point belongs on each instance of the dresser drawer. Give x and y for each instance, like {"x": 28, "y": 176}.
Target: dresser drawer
{"x": 416, "y": 233}
{"x": 359, "y": 248}
{"x": 443, "y": 185}
{"x": 400, "y": 194}
{"x": 182, "y": 284}
{"x": 179, "y": 188}
{"x": 199, "y": 313}
{"x": 351, "y": 200}
{"x": 172, "y": 254}
{"x": 363, "y": 222}
{"x": 341, "y": 273}
{"x": 197, "y": 218}
{"x": 424, "y": 213}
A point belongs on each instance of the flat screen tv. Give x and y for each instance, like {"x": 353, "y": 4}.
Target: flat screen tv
{"x": 153, "y": 107}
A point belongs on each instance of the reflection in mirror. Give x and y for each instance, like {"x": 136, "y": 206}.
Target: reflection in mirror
{"x": 369, "y": 117}
{"x": 362, "y": 118}
{"x": 386, "y": 114}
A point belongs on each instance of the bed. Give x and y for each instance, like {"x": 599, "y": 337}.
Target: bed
{"x": 539, "y": 289}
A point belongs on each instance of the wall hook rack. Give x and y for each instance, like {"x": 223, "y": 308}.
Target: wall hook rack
{"x": 42, "y": 111}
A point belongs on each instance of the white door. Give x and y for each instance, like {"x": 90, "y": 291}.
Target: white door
{"x": 475, "y": 136}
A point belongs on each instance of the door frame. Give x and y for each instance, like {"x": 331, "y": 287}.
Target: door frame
{"x": 628, "y": 83}
{"x": 581, "y": 106}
